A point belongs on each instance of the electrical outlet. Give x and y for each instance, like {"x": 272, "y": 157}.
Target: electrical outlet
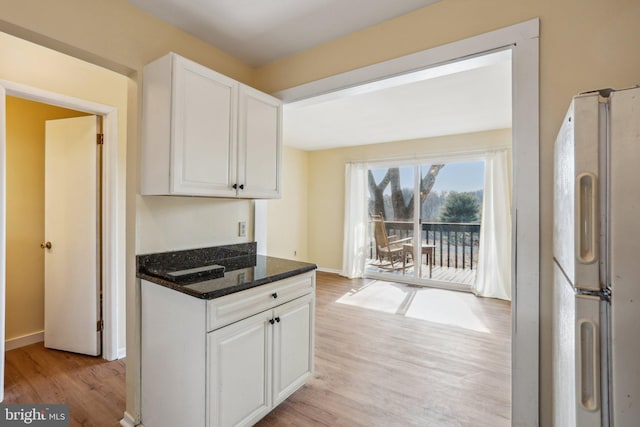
{"x": 242, "y": 229}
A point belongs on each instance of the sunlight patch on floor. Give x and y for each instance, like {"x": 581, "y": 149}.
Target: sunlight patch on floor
{"x": 379, "y": 296}
{"x": 432, "y": 305}
{"x": 447, "y": 308}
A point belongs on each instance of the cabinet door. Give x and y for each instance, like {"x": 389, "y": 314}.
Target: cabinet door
{"x": 204, "y": 131}
{"x": 293, "y": 342}
{"x": 260, "y": 144}
{"x": 239, "y": 371}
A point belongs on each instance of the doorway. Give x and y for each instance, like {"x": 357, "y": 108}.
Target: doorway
{"x": 522, "y": 40}
{"x": 28, "y": 188}
{"x": 109, "y": 197}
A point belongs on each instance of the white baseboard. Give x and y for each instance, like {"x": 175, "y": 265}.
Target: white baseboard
{"x": 122, "y": 353}
{"x": 329, "y": 270}
{"x": 129, "y": 421}
{"x": 13, "y": 343}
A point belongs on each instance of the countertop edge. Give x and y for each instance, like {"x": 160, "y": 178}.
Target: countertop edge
{"x": 230, "y": 290}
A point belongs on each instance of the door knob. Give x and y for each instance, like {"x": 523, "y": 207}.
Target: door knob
{"x": 45, "y": 245}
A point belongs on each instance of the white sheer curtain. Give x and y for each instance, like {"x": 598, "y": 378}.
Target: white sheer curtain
{"x": 355, "y": 220}
{"x": 493, "y": 278}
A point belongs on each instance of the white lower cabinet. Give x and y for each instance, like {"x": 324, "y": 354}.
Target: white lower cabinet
{"x": 247, "y": 367}
{"x": 239, "y": 375}
{"x": 292, "y": 347}
{"x": 256, "y": 363}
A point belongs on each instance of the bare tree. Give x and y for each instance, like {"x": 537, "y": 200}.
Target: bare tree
{"x": 400, "y": 208}
{"x": 376, "y": 191}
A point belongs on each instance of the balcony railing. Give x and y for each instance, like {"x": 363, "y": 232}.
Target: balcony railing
{"x": 456, "y": 244}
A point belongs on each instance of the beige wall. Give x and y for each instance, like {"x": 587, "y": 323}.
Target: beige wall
{"x": 174, "y": 223}
{"x": 114, "y": 34}
{"x": 583, "y": 46}
{"x": 287, "y": 218}
{"x": 327, "y": 182}
{"x": 118, "y": 36}
{"x": 22, "y": 62}
{"x": 25, "y": 214}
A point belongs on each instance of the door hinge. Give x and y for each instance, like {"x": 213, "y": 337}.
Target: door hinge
{"x": 100, "y": 138}
{"x": 100, "y": 325}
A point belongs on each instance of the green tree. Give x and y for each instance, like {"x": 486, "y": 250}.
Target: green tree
{"x": 460, "y": 207}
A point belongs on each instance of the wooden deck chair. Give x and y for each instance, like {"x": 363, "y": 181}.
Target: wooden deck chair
{"x": 388, "y": 248}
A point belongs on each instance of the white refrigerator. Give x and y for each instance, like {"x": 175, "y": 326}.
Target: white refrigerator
{"x": 596, "y": 253}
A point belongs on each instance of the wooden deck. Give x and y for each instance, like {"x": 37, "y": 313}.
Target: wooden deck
{"x": 444, "y": 274}
{"x": 449, "y": 274}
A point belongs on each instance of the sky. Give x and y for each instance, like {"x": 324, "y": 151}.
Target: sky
{"x": 460, "y": 176}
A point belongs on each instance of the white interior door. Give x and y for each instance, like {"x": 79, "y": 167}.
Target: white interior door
{"x": 72, "y": 227}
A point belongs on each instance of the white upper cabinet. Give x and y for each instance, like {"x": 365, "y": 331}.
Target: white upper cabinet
{"x": 205, "y": 134}
{"x": 260, "y": 124}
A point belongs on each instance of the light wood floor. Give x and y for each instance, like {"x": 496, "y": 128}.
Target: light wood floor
{"x": 93, "y": 388}
{"x": 386, "y": 355}
{"x": 379, "y": 367}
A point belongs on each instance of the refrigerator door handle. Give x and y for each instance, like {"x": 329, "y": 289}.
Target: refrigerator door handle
{"x": 586, "y": 220}
{"x": 588, "y": 365}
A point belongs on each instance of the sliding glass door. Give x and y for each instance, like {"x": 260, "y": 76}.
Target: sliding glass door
{"x": 425, "y": 222}
{"x": 392, "y": 212}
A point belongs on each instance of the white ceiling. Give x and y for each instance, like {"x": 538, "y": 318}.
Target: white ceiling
{"x": 262, "y": 31}
{"x": 467, "y": 96}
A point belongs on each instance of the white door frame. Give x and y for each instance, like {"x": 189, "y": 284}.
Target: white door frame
{"x": 523, "y": 40}
{"x": 110, "y": 224}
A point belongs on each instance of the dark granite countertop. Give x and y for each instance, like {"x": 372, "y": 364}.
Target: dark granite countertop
{"x": 213, "y": 272}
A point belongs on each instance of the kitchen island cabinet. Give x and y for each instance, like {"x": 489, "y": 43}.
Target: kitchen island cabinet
{"x": 227, "y": 360}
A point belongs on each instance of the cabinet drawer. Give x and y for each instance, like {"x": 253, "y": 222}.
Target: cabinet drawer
{"x": 231, "y": 308}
